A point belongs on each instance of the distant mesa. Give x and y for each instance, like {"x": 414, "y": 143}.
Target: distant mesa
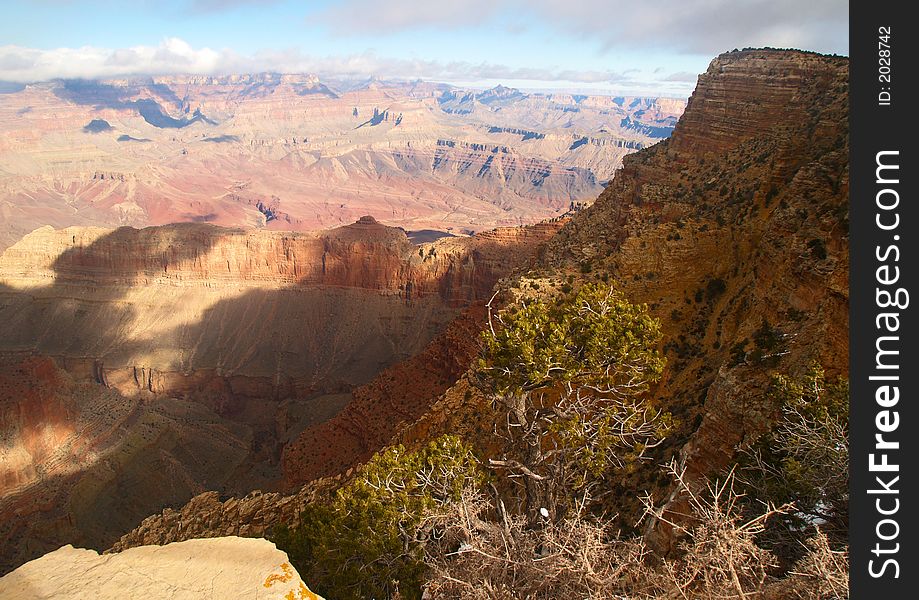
{"x": 499, "y": 92}
{"x": 648, "y": 130}
{"x": 293, "y": 137}
{"x": 97, "y": 126}
{"x": 126, "y": 138}
{"x": 463, "y": 103}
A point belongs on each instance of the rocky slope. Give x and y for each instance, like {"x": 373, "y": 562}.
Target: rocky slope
{"x": 194, "y": 354}
{"x": 229, "y": 567}
{"x": 287, "y": 152}
{"x": 735, "y": 232}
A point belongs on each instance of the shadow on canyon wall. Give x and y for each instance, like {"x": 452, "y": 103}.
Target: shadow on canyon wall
{"x": 257, "y": 366}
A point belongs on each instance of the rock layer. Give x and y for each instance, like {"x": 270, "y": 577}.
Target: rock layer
{"x": 188, "y": 308}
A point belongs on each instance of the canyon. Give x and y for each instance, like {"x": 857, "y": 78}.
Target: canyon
{"x": 293, "y": 153}
{"x": 734, "y": 232}
{"x": 255, "y": 369}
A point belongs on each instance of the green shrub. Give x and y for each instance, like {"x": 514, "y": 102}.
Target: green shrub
{"x": 368, "y": 541}
{"x": 568, "y": 377}
{"x": 804, "y": 459}
{"x": 594, "y": 337}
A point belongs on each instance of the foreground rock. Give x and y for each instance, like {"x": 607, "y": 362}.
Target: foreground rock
{"x": 229, "y": 567}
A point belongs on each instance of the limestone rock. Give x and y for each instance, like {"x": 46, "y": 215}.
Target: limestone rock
{"x": 217, "y": 568}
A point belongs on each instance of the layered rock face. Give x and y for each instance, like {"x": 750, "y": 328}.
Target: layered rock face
{"x": 228, "y": 567}
{"x": 141, "y": 367}
{"x": 267, "y": 314}
{"x": 743, "y": 93}
{"x": 289, "y": 152}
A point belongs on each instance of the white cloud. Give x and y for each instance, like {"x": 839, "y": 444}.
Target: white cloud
{"x": 175, "y": 56}
{"x": 684, "y": 76}
{"x": 171, "y": 56}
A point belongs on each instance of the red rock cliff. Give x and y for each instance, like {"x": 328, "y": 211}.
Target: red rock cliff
{"x": 736, "y": 225}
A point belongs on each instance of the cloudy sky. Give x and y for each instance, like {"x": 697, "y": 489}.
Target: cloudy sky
{"x": 634, "y": 46}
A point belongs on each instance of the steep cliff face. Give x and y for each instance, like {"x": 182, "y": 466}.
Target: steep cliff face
{"x": 744, "y": 94}
{"x": 735, "y": 232}
{"x": 180, "y": 308}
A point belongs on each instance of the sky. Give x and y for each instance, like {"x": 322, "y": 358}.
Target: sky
{"x": 607, "y": 46}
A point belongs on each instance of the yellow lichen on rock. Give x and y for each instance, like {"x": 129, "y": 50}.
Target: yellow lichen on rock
{"x": 286, "y": 575}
